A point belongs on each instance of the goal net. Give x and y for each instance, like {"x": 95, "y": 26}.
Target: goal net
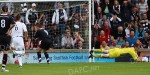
{"x": 59, "y": 18}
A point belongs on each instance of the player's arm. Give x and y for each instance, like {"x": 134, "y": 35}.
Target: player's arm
{"x": 135, "y": 57}
{"x": 27, "y": 15}
{"x": 11, "y": 25}
{"x": 138, "y": 59}
{"x": 38, "y": 21}
{"x": 26, "y": 36}
{"x": 36, "y": 35}
{"x": 25, "y": 32}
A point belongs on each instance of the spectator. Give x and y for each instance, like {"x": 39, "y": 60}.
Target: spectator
{"x": 96, "y": 31}
{"x": 86, "y": 35}
{"x": 143, "y": 7}
{"x": 139, "y": 32}
{"x": 120, "y": 33}
{"x": 31, "y": 19}
{"x": 60, "y": 18}
{"x": 121, "y": 41}
{"x": 74, "y": 19}
{"x": 55, "y": 35}
{"x": 106, "y": 8}
{"x": 102, "y": 20}
{"x": 145, "y": 40}
{"x": 139, "y": 42}
{"x": 78, "y": 40}
{"x": 111, "y": 40}
{"x": 115, "y": 22}
{"x": 148, "y": 15}
{"x": 42, "y": 20}
{"x": 23, "y": 13}
{"x": 132, "y": 39}
{"x": 114, "y": 44}
{"x": 134, "y": 14}
{"x": 128, "y": 29}
{"x": 126, "y": 11}
{"x": 127, "y": 44}
{"x": 104, "y": 45}
{"x": 97, "y": 3}
{"x": 144, "y": 22}
{"x": 106, "y": 29}
{"x": 99, "y": 13}
{"x": 67, "y": 41}
{"x": 102, "y": 37}
{"x": 31, "y": 15}
{"x": 116, "y": 7}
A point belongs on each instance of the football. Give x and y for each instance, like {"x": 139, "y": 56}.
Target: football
{"x": 145, "y": 59}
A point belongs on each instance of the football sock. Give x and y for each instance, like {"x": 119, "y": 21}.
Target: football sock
{"x": 39, "y": 56}
{"x": 20, "y": 60}
{"x": 47, "y": 57}
{"x": 4, "y": 61}
{"x": 98, "y": 55}
{"x": 98, "y": 50}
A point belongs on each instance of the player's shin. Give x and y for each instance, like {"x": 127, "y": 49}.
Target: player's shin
{"x": 39, "y": 57}
{"x": 20, "y": 60}
{"x": 46, "y": 56}
{"x": 98, "y": 55}
{"x": 98, "y": 50}
{"x": 4, "y": 61}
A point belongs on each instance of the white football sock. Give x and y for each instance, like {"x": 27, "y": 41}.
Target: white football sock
{"x": 20, "y": 60}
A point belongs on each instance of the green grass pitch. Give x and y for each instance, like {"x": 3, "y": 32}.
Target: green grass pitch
{"x": 118, "y": 68}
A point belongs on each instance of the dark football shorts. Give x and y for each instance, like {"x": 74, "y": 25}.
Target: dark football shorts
{"x": 5, "y": 42}
{"x": 46, "y": 44}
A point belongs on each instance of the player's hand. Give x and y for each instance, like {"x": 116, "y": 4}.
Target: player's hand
{"x": 51, "y": 49}
{"x": 139, "y": 59}
{"x": 28, "y": 23}
{"x": 8, "y": 32}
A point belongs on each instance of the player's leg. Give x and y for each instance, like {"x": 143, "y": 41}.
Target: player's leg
{"x": 39, "y": 55}
{"x": 101, "y": 55}
{"x": 46, "y": 56}
{"x": 5, "y": 47}
{"x": 4, "y": 61}
{"x": 100, "y": 50}
{"x": 19, "y": 54}
{"x": 19, "y": 49}
{"x": 108, "y": 53}
{"x": 46, "y": 45}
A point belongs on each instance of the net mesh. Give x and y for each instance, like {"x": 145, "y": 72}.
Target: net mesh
{"x": 76, "y": 23}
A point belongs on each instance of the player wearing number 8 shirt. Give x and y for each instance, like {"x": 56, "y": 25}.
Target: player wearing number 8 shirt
{"x": 17, "y": 44}
{"x": 6, "y": 24}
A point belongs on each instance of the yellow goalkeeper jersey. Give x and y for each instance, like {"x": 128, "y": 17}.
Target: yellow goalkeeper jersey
{"x": 131, "y": 51}
{"x": 116, "y": 52}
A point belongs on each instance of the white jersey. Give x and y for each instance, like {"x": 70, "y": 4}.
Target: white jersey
{"x": 18, "y": 29}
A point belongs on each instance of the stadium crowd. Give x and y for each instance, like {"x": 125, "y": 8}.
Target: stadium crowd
{"x": 66, "y": 23}
{"x": 121, "y": 23}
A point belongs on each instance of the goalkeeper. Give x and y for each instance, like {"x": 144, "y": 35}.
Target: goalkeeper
{"x": 117, "y": 52}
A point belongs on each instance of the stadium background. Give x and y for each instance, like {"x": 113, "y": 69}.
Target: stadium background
{"x": 48, "y": 9}
{"x": 129, "y": 68}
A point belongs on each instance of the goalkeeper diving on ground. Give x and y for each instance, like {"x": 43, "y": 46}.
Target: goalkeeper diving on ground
{"x": 116, "y": 52}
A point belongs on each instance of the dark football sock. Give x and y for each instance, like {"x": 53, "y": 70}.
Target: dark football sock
{"x": 4, "y": 61}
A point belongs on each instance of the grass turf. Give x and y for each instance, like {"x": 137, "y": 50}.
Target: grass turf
{"x": 80, "y": 69}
